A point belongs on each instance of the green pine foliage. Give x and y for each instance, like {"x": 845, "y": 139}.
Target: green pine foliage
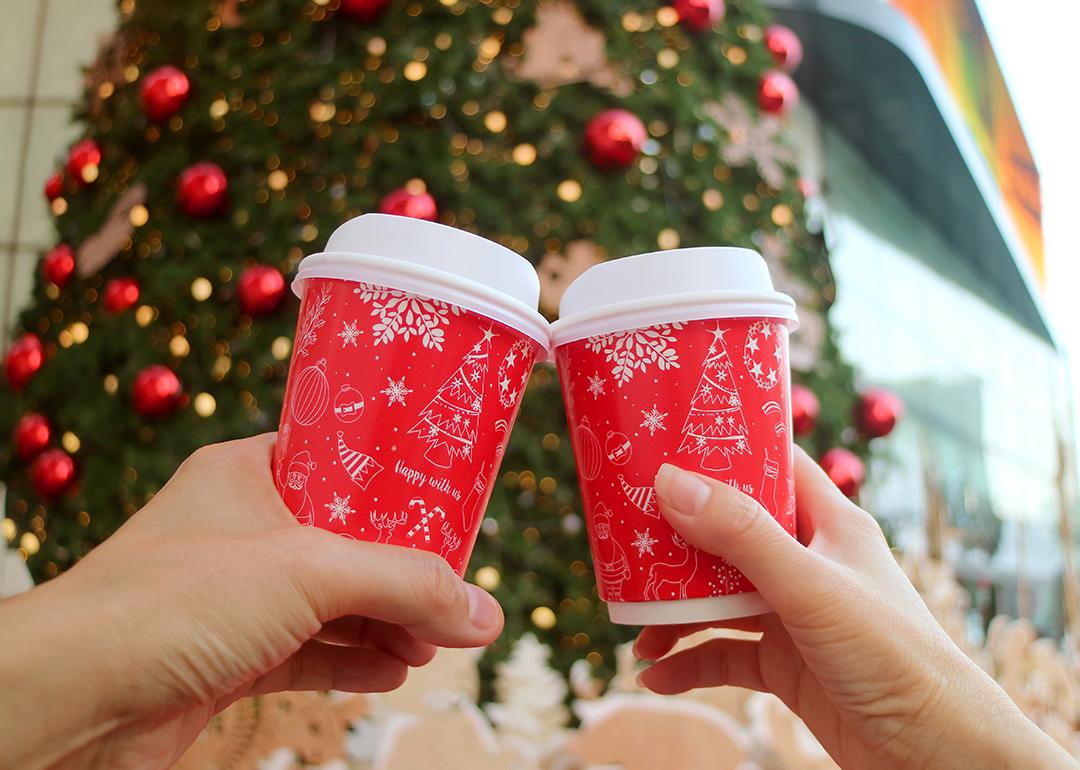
{"x": 294, "y": 86}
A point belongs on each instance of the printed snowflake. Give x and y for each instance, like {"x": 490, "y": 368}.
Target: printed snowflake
{"x": 643, "y": 541}
{"x": 339, "y": 508}
{"x": 596, "y": 386}
{"x": 349, "y": 333}
{"x": 406, "y": 315}
{"x": 638, "y": 349}
{"x": 751, "y": 141}
{"x": 653, "y": 420}
{"x": 395, "y": 391}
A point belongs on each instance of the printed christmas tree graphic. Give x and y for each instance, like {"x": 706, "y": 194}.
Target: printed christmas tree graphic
{"x": 715, "y": 428}
{"x": 450, "y": 421}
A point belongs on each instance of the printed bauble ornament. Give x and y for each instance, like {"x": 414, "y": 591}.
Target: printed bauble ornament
{"x": 589, "y": 454}
{"x": 52, "y": 473}
{"x": 805, "y": 409}
{"x": 410, "y": 201}
{"x": 349, "y": 404}
{"x": 164, "y": 92}
{"x": 24, "y": 359}
{"x": 310, "y": 393}
{"x": 59, "y": 265}
{"x": 845, "y": 469}
{"x": 364, "y": 11}
{"x": 777, "y": 93}
{"x": 785, "y": 47}
{"x": 618, "y": 448}
{"x": 31, "y": 435}
{"x": 54, "y": 186}
{"x": 84, "y": 162}
{"x": 202, "y": 190}
{"x": 877, "y": 412}
{"x": 613, "y": 139}
{"x": 119, "y": 294}
{"x": 700, "y": 15}
{"x": 156, "y": 391}
{"x": 261, "y": 289}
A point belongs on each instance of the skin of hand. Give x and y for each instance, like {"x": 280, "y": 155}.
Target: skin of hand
{"x": 851, "y": 647}
{"x": 209, "y": 593}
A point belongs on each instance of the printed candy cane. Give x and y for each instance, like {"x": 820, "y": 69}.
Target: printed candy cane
{"x": 425, "y": 517}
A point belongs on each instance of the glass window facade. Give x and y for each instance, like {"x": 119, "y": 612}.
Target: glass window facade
{"x": 986, "y": 399}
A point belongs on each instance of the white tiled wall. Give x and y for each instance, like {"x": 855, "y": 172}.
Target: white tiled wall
{"x": 43, "y": 46}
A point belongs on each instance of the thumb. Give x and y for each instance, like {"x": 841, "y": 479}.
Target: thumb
{"x": 721, "y": 520}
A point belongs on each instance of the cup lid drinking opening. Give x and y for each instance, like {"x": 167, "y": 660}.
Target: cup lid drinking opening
{"x": 668, "y": 286}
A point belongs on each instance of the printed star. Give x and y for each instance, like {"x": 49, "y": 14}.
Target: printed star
{"x": 339, "y": 508}
{"x": 349, "y": 333}
{"x": 751, "y": 344}
{"x": 767, "y": 331}
{"x": 644, "y": 542}
{"x": 488, "y": 334}
{"x": 718, "y": 333}
{"x": 756, "y": 369}
{"x": 504, "y": 384}
{"x": 433, "y": 431}
{"x": 457, "y": 418}
{"x": 596, "y": 385}
{"x": 654, "y": 420}
{"x": 395, "y": 391}
{"x": 776, "y": 353}
{"x": 511, "y": 359}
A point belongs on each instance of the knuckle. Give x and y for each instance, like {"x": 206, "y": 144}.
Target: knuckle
{"x": 867, "y": 525}
{"x": 743, "y": 518}
{"x": 439, "y": 585}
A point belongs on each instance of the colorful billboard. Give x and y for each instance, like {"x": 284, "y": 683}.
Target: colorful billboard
{"x": 955, "y": 33}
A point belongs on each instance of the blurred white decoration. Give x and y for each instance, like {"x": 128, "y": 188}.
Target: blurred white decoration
{"x": 529, "y": 712}
{"x": 783, "y": 742}
{"x": 582, "y": 682}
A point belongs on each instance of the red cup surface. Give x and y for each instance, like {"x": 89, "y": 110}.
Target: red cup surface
{"x": 712, "y": 396}
{"x": 397, "y": 412}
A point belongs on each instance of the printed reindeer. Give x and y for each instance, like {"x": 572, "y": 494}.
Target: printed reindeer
{"x": 451, "y": 541}
{"x": 386, "y": 523}
{"x": 677, "y": 573}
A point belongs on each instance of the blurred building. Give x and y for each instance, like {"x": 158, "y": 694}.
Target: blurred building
{"x": 932, "y": 214}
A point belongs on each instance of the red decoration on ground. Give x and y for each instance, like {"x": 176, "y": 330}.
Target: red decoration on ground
{"x": 156, "y": 391}
{"x": 203, "y": 190}
{"x": 59, "y": 265}
{"x": 32, "y": 434}
{"x": 120, "y": 294}
{"x": 260, "y": 289}
{"x": 365, "y": 11}
{"x": 785, "y": 47}
{"x": 54, "y": 186}
{"x": 777, "y": 93}
{"x": 845, "y": 469}
{"x": 807, "y": 187}
{"x": 164, "y": 92}
{"x": 24, "y": 359}
{"x": 805, "y": 409}
{"x": 52, "y": 472}
{"x": 404, "y": 202}
{"x": 84, "y": 162}
{"x": 614, "y": 138}
{"x": 700, "y": 15}
{"x": 877, "y": 412}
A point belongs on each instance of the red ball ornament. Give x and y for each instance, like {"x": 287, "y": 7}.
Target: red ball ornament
{"x": 155, "y": 391}
{"x": 260, "y": 289}
{"x": 877, "y": 412}
{"x": 805, "y": 409}
{"x": 203, "y": 190}
{"x": 84, "y": 162}
{"x": 120, "y": 294}
{"x": 700, "y": 15}
{"x": 54, "y": 186}
{"x": 415, "y": 203}
{"x": 777, "y": 93}
{"x": 365, "y": 11}
{"x": 23, "y": 360}
{"x": 613, "y": 139}
{"x": 32, "y": 434}
{"x": 52, "y": 473}
{"x": 164, "y": 92}
{"x": 59, "y": 265}
{"x": 785, "y": 47}
{"x": 845, "y": 469}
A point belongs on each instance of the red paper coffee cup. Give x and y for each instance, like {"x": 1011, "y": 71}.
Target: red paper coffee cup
{"x": 680, "y": 357}
{"x": 413, "y": 347}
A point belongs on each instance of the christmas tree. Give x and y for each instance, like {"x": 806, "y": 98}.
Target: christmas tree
{"x": 225, "y": 139}
{"x": 715, "y": 428}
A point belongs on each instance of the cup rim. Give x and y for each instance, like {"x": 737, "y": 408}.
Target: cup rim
{"x": 359, "y": 267}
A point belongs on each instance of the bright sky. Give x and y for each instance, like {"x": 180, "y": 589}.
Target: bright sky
{"x": 1035, "y": 41}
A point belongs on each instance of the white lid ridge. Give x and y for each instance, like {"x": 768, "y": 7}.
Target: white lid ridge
{"x": 668, "y": 286}
{"x": 434, "y": 260}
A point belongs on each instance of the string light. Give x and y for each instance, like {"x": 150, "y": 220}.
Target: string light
{"x": 9, "y": 529}
{"x": 111, "y": 383}
{"x": 280, "y": 348}
{"x": 713, "y": 199}
{"x": 667, "y": 16}
{"x": 782, "y": 216}
{"x": 668, "y": 238}
{"x": 205, "y": 405}
{"x": 495, "y": 121}
{"x": 569, "y": 190}
{"x": 179, "y": 346}
{"x": 487, "y": 578}
{"x": 543, "y": 618}
{"x": 70, "y": 442}
{"x": 29, "y": 543}
{"x": 277, "y": 180}
{"x": 415, "y": 70}
{"x": 201, "y": 289}
{"x": 138, "y": 216}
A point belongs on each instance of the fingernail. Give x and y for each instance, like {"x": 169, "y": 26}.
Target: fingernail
{"x": 682, "y": 490}
{"x": 482, "y": 608}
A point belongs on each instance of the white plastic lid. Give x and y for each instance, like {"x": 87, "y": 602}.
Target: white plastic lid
{"x": 436, "y": 261}
{"x": 669, "y": 286}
